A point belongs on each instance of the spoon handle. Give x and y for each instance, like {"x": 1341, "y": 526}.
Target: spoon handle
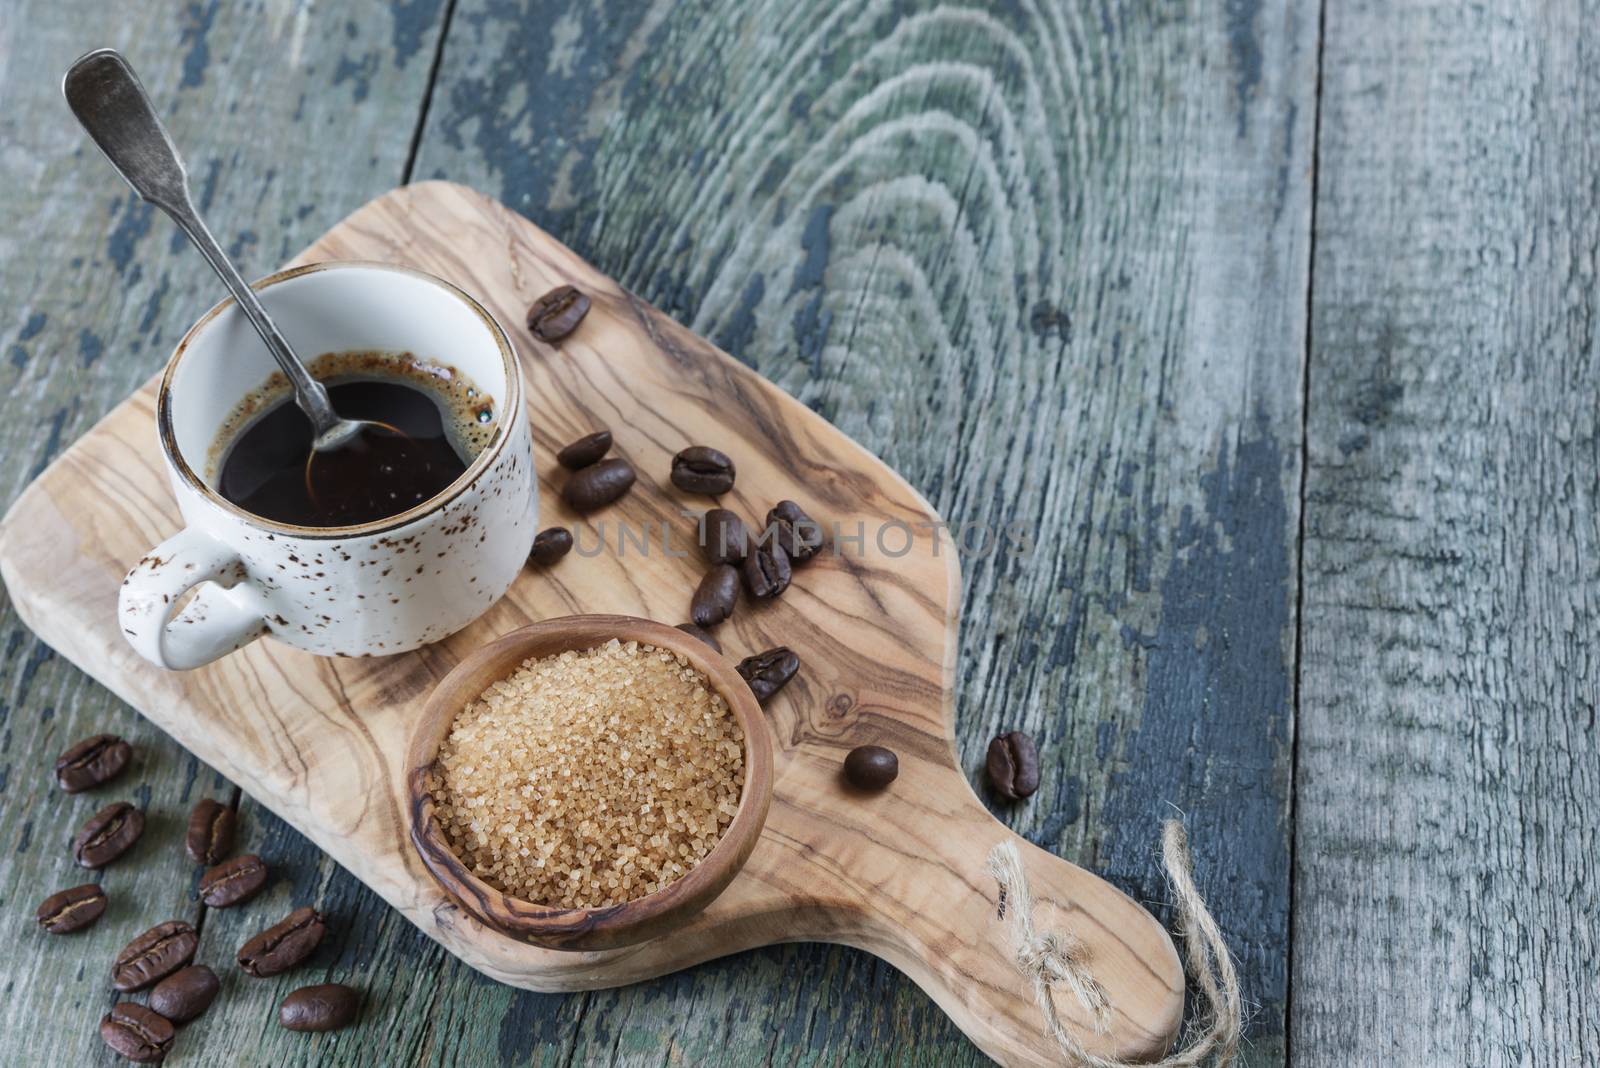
{"x": 106, "y": 97}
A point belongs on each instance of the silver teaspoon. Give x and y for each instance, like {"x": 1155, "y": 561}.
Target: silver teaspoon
{"x": 107, "y": 99}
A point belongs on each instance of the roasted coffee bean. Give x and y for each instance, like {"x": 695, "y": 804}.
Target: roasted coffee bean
{"x": 1013, "y": 765}
{"x": 585, "y": 451}
{"x": 91, "y": 762}
{"x": 598, "y": 484}
{"x": 72, "y": 910}
{"x": 797, "y": 532}
{"x": 769, "y": 672}
{"x": 704, "y": 635}
{"x": 139, "y": 1034}
{"x": 283, "y": 945}
{"x": 699, "y": 469}
{"x": 715, "y": 597}
{"x": 766, "y": 571}
{"x": 108, "y": 834}
{"x": 871, "y": 767}
{"x": 550, "y": 546}
{"x": 154, "y": 955}
{"x": 233, "y": 882}
{"x": 319, "y": 1008}
{"x": 557, "y": 313}
{"x": 186, "y": 993}
{"x": 210, "y": 835}
{"x": 723, "y": 537}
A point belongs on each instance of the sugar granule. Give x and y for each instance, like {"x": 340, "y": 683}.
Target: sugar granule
{"x": 590, "y": 778}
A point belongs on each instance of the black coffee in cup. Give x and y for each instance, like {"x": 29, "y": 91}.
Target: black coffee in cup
{"x": 434, "y": 424}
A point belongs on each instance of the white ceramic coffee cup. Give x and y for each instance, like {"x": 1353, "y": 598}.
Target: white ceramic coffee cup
{"x": 369, "y": 590}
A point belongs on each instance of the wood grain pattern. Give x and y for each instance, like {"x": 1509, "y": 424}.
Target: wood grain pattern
{"x": 323, "y": 742}
{"x": 1449, "y": 814}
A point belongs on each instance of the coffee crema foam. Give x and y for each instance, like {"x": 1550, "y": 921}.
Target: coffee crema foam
{"x": 470, "y": 419}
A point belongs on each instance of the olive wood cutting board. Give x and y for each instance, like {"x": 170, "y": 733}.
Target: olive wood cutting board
{"x": 321, "y": 742}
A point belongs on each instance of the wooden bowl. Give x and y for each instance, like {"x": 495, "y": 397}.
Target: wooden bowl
{"x": 613, "y": 925}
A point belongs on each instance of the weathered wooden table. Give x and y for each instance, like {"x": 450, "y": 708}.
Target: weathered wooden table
{"x": 1277, "y": 322}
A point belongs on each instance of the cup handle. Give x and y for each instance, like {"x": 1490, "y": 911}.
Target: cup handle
{"x": 225, "y": 613}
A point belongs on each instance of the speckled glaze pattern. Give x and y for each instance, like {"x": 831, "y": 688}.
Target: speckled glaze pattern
{"x": 373, "y": 590}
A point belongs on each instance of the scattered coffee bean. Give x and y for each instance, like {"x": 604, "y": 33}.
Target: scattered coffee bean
{"x": 233, "y": 882}
{"x": 136, "y": 1032}
{"x": 72, "y": 910}
{"x": 1013, "y": 765}
{"x": 108, "y": 834}
{"x": 798, "y": 533}
{"x": 283, "y": 945}
{"x": 699, "y": 469}
{"x": 92, "y": 762}
{"x": 186, "y": 993}
{"x": 558, "y": 313}
{"x": 766, "y": 571}
{"x": 598, "y": 484}
{"x": 319, "y": 1008}
{"x": 769, "y": 672}
{"x": 585, "y": 451}
{"x": 725, "y": 540}
{"x": 550, "y": 546}
{"x": 871, "y": 767}
{"x": 704, "y": 635}
{"x": 715, "y": 597}
{"x": 154, "y": 955}
{"x": 210, "y": 835}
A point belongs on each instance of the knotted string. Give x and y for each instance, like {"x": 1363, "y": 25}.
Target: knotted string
{"x": 1057, "y": 959}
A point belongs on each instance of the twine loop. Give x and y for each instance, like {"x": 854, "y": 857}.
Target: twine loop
{"x": 1059, "y": 959}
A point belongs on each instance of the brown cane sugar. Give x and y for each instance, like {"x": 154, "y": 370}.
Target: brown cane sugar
{"x": 591, "y": 777}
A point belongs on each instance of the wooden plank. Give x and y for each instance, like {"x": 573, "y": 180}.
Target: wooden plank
{"x": 1449, "y": 763}
{"x": 1050, "y": 263}
{"x": 289, "y": 117}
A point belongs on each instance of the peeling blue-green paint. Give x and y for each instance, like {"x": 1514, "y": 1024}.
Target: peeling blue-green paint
{"x": 811, "y": 325}
{"x": 1244, "y": 54}
{"x": 740, "y": 327}
{"x": 1046, "y": 319}
{"x": 544, "y": 144}
{"x": 31, "y": 329}
{"x": 246, "y": 239}
{"x": 152, "y": 306}
{"x": 1215, "y": 722}
{"x": 52, "y": 442}
{"x": 814, "y": 243}
{"x": 533, "y": 1020}
{"x": 132, "y": 224}
{"x": 359, "y": 73}
{"x": 197, "y": 24}
{"x": 414, "y": 21}
{"x": 90, "y": 346}
{"x": 39, "y": 655}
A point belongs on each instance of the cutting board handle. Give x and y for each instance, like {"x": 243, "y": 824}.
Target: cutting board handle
{"x": 945, "y": 926}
